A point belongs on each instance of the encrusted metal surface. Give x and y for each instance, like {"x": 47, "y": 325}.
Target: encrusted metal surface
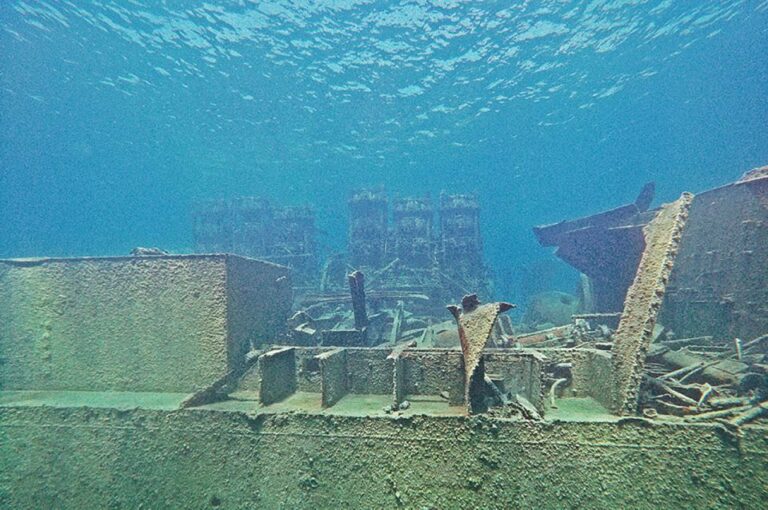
{"x": 644, "y": 298}
{"x": 161, "y": 323}
{"x": 719, "y": 285}
{"x": 475, "y": 324}
{"x": 104, "y": 458}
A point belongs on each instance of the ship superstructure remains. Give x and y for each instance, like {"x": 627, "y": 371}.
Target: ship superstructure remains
{"x": 158, "y": 380}
{"x": 254, "y": 227}
{"x": 434, "y": 251}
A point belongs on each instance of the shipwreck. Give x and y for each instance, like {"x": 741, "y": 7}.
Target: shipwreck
{"x": 221, "y": 380}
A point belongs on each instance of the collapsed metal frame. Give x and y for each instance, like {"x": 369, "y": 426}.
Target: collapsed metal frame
{"x": 399, "y": 372}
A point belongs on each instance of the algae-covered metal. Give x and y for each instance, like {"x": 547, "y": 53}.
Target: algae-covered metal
{"x": 161, "y": 323}
{"x": 475, "y": 323}
{"x": 641, "y": 308}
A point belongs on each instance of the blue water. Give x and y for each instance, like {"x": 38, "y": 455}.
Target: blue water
{"x": 116, "y": 116}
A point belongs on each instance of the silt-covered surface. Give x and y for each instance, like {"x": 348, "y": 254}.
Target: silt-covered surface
{"x": 145, "y": 324}
{"x": 106, "y": 458}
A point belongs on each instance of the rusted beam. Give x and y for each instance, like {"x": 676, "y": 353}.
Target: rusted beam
{"x": 537, "y": 337}
{"x": 643, "y": 301}
{"x": 357, "y": 291}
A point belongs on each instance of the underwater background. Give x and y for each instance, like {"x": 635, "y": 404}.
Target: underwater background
{"x": 115, "y": 117}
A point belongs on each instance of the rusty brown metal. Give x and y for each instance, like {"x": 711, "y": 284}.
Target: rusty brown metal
{"x": 475, "y": 323}
{"x": 719, "y": 285}
{"x": 357, "y": 292}
{"x": 606, "y": 247}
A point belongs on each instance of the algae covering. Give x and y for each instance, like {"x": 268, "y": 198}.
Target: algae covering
{"x": 105, "y": 458}
{"x": 475, "y": 323}
{"x": 315, "y": 427}
{"x": 146, "y": 324}
{"x": 644, "y": 299}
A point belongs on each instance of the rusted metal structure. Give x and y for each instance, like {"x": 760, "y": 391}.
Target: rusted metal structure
{"x": 192, "y": 378}
{"x": 368, "y": 224}
{"x": 719, "y": 283}
{"x": 254, "y": 227}
{"x": 606, "y": 247}
{"x": 641, "y": 308}
{"x": 251, "y": 226}
{"x": 212, "y": 226}
{"x": 461, "y": 245}
{"x": 475, "y": 324}
{"x": 412, "y": 239}
{"x": 410, "y": 254}
{"x": 293, "y": 241}
{"x": 412, "y": 269}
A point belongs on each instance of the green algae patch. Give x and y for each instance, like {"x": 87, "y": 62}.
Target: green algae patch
{"x": 107, "y": 399}
{"x": 107, "y": 458}
{"x": 580, "y": 410}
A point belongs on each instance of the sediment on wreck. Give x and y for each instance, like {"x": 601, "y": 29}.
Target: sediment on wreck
{"x": 475, "y": 323}
{"x": 644, "y": 299}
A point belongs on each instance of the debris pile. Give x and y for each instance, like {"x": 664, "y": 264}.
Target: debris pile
{"x": 359, "y": 317}
{"x": 696, "y": 379}
{"x": 696, "y": 266}
{"x": 700, "y": 379}
{"x": 589, "y": 331}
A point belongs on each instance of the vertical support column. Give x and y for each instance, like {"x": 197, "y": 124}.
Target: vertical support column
{"x": 333, "y": 376}
{"x": 397, "y": 323}
{"x": 357, "y": 289}
{"x": 398, "y": 377}
{"x": 278, "y": 375}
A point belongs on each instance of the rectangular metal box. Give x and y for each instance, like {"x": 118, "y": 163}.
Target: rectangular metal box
{"x": 144, "y": 324}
